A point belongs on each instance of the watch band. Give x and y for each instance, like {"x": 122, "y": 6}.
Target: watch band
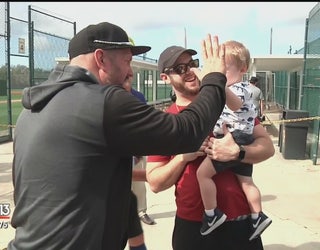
{"x": 242, "y": 153}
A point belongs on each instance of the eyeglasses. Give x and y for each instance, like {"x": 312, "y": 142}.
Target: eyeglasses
{"x": 183, "y": 67}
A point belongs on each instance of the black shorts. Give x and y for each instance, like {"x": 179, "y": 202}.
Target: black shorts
{"x": 237, "y": 167}
{"x": 231, "y": 235}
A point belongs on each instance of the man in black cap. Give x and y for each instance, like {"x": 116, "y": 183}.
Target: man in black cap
{"x": 75, "y": 139}
{"x": 257, "y": 96}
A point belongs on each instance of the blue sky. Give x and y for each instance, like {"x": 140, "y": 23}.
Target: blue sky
{"x": 162, "y": 24}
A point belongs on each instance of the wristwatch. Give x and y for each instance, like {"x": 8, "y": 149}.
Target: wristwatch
{"x": 242, "y": 153}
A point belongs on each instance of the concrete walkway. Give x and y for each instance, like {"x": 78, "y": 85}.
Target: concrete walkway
{"x": 290, "y": 196}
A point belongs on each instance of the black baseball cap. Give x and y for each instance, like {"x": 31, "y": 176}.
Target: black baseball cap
{"x": 170, "y": 55}
{"x": 102, "y": 36}
{"x": 253, "y": 79}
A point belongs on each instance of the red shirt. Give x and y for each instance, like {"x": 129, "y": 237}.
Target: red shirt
{"x": 230, "y": 197}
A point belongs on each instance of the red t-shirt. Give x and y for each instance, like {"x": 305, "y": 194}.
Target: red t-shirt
{"x": 230, "y": 197}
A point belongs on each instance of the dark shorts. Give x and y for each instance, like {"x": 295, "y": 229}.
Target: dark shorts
{"x": 134, "y": 226}
{"x": 237, "y": 167}
{"x": 231, "y": 235}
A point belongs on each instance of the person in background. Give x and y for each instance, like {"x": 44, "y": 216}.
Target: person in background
{"x": 128, "y": 86}
{"x": 135, "y": 231}
{"x": 139, "y": 188}
{"x": 178, "y": 68}
{"x": 257, "y": 96}
{"x": 139, "y": 162}
{"x": 239, "y": 117}
{"x": 75, "y": 138}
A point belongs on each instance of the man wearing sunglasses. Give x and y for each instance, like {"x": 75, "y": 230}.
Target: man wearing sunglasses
{"x": 178, "y": 68}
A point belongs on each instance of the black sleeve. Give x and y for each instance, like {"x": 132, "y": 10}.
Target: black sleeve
{"x": 133, "y": 128}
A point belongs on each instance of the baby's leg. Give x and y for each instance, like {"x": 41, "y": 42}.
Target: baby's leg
{"x": 207, "y": 186}
{"x": 213, "y": 217}
{"x": 259, "y": 221}
{"x": 252, "y": 193}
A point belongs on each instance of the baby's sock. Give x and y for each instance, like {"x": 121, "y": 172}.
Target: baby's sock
{"x": 254, "y": 215}
{"x": 209, "y": 212}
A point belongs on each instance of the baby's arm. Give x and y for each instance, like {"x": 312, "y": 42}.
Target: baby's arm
{"x": 232, "y": 100}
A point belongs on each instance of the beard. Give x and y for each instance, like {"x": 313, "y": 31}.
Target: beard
{"x": 185, "y": 90}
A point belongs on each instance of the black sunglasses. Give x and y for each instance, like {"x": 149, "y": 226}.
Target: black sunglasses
{"x": 183, "y": 67}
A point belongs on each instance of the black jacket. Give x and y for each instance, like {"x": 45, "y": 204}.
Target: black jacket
{"x": 73, "y": 144}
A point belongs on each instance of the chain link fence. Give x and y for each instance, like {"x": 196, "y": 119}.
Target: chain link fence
{"x": 28, "y": 50}
{"x": 300, "y": 90}
{"x": 311, "y": 82}
{"x": 49, "y": 39}
{"x": 5, "y": 95}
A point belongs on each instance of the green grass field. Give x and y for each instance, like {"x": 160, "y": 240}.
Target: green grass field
{"x": 16, "y": 108}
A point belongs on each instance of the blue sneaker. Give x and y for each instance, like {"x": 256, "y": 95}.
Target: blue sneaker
{"x": 259, "y": 225}
{"x": 211, "y": 223}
